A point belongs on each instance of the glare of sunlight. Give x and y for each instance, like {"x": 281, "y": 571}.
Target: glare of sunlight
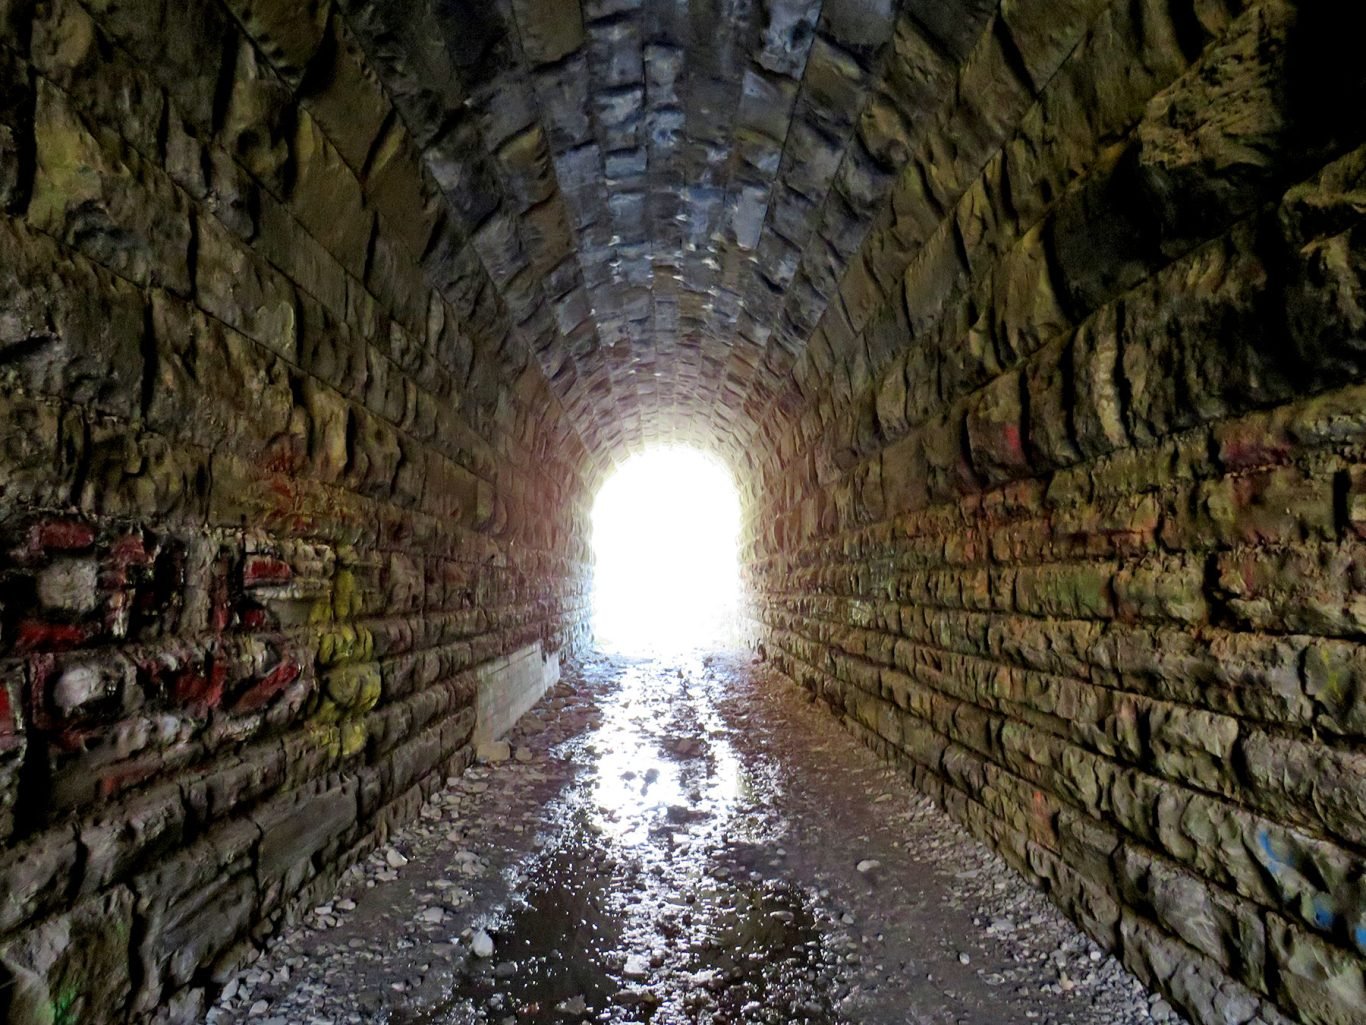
{"x": 665, "y": 536}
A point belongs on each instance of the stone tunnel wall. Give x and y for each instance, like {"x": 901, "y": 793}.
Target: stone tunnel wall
{"x": 275, "y": 479}
{"x": 1070, "y": 519}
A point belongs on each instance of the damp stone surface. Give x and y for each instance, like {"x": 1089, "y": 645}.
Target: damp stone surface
{"x": 1031, "y": 332}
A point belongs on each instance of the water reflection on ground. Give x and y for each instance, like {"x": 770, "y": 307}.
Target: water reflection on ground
{"x": 642, "y": 904}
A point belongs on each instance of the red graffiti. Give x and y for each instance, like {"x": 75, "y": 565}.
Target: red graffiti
{"x": 265, "y": 569}
{"x": 196, "y": 690}
{"x": 254, "y": 617}
{"x": 1242, "y": 452}
{"x": 61, "y": 536}
{"x": 1011, "y": 433}
{"x": 130, "y": 550}
{"x": 115, "y": 782}
{"x": 36, "y": 635}
{"x": 1042, "y": 814}
{"x": 9, "y": 721}
{"x": 264, "y": 690}
{"x": 220, "y": 610}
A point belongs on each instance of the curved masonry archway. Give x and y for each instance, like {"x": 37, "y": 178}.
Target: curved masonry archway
{"x": 1033, "y": 329}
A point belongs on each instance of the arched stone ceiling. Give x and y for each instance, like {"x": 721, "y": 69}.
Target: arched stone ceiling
{"x": 665, "y": 193}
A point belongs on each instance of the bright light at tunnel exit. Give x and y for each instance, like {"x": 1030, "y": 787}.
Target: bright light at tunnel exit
{"x": 665, "y": 536}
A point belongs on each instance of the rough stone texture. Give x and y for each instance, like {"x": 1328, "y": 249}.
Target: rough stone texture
{"x": 274, "y": 485}
{"x": 1033, "y": 330}
{"x": 1062, "y": 514}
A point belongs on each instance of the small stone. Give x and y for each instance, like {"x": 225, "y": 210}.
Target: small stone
{"x": 963, "y": 957}
{"x": 259, "y": 1008}
{"x": 77, "y": 686}
{"x": 868, "y": 865}
{"x": 576, "y": 1006}
{"x": 493, "y": 751}
{"x": 394, "y": 859}
{"x": 481, "y": 944}
{"x": 71, "y": 585}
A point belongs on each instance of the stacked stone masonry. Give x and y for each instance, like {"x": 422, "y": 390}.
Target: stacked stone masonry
{"x": 1068, "y": 519}
{"x": 276, "y": 479}
{"x": 1034, "y": 332}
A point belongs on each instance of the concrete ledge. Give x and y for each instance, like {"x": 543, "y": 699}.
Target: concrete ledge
{"x": 509, "y": 686}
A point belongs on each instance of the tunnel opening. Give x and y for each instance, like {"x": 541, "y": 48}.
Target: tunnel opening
{"x": 666, "y": 563}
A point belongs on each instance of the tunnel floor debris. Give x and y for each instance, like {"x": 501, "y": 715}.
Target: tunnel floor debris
{"x": 682, "y": 840}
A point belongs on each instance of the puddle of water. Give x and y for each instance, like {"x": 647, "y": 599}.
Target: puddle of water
{"x": 558, "y": 941}
{"x": 630, "y": 912}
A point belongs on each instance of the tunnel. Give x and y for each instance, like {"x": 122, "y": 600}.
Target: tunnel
{"x": 1032, "y": 334}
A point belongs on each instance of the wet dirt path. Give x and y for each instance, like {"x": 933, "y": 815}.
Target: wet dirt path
{"x": 683, "y": 840}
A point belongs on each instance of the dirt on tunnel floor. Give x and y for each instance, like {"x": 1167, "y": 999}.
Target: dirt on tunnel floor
{"x": 683, "y": 839}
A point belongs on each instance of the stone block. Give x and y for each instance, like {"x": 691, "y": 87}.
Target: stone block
{"x": 1100, "y": 241}
{"x": 41, "y": 454}
{"x": 289, "y": 34}
{"x": 991, "y": 98}
{"x": 98, "y": 196}
{"x": 16, "y": 132}
{"x": 1098, "y": 410}
{"x": 1048, "y": 383}
{"x": 1191, "y": 981}
{"x": 67, "y": 329}
{"x": 327, "y": 198}
{"x": 70, "y": 50}
{"x": 1307, "y": 589}
{"x": 996, "y": 430}
{"x": 1070, "y": 590}
{"x": 1320, "y": 223}
{"x": 181, "y": 42}
{"x": 1335, "y": 680}
{"x": 298, "y": 825}
{"x": 397, "y": 283}
{"x": 244, "y": 292}
{"x": 1312, "y": 785}
{"x": 194, "y": 906}
{"x": 239, "y": 389}
{"x": 1324, "y": 984}
{"x": 258, "y": 121}
{"x": 1045, "y": 34}
{"x": 120, "y": 839}
{"x": 344, "y": 95}
{"x": 233, "y": 783}
{"x": 1196, "y": 342}
{"x": 407, "y": 200}
{"x": 1162, "y": 588}
{"x": 904, "y": 481}
{"x": 143, "y": 475}
{"x": 1282, "y": 505}
{"x": 1026, "y": 311}
{"x": 1211, "y": 145}
{"x": 36, "y": 872}
{"x": 74, "y": 966}
{"x": 1192, "y": 746}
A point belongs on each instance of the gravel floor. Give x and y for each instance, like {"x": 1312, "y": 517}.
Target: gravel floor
{"x": 683, "y": 839}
